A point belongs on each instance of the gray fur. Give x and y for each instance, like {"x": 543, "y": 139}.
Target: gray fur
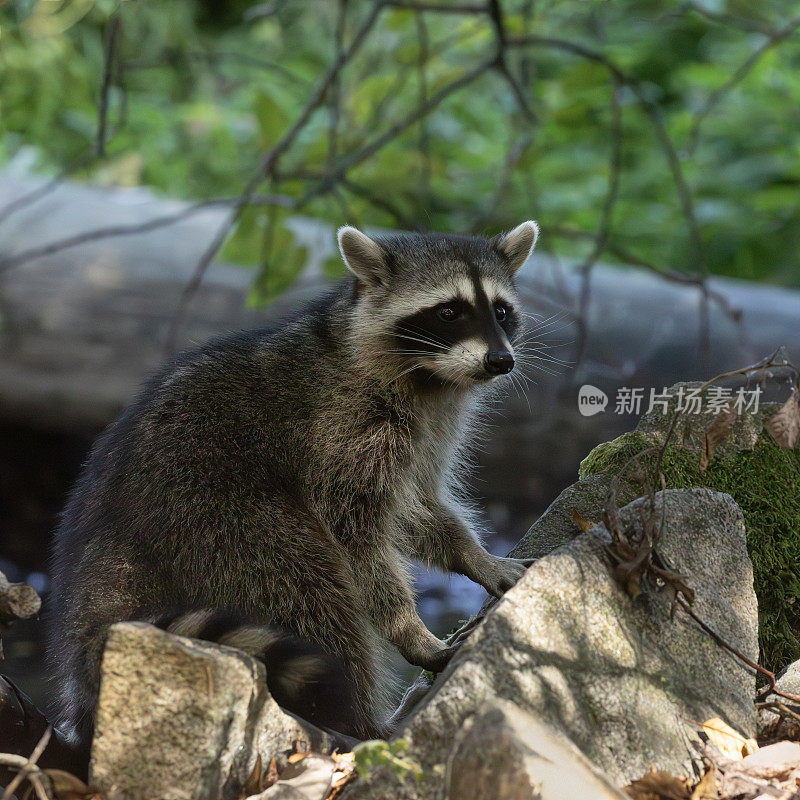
{"x": 289, "y": 474}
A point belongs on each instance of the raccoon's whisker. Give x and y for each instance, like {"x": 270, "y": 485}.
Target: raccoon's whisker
{"x": 403, "y": 352}
{"x": 548, "y": 359}
{"x": 541, "y": 323}
{"x": 547, "y": 370}
{"x": 550, "y": 328}
{"x": 534, "y": 338}
{"x": 422, "y": 341}
{"x": 522, "y": 376}
{"x": 532, "y": 342}
{"x": 543, "y": 356}
{"x": 419, "y": 332}
{"x": 536, "y": 360}
{"x": 405, "y": 372}
{"x": 533, "y": 346}
{"x": 555, "y": 344}
{"x": 542, "y": 320}
{"x": 529, "y": 381}
{"x": 512, "y": 379}
{"x": 522, "y": 390}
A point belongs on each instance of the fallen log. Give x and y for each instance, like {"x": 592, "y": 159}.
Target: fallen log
{"x": 17, "y": 601}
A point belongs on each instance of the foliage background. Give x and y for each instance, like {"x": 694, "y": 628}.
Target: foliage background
{"x": 199, "y": 91}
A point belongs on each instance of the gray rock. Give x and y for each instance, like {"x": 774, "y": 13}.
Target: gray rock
{"x": 774, "y": 726}
{"x": 744, "y": 433}
{"x": 618, "y": 677}
{"x": 281, "y": 791}
{"x": 309, "y": 779}
{"x": 556, "y": 526}
{"x": 503, "y": 753}
{"x": 181, "y": 719}
{"x": 789, "y": 679}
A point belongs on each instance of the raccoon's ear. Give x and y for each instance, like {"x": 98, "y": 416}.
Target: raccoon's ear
{"x": 516, "y": 246}
{"x": 362, "y": 256}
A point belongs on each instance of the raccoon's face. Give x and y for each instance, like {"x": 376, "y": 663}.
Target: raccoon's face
{"x": 440, "y": 308}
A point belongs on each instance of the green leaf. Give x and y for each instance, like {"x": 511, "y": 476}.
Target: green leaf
{"x": 272, "y": 119}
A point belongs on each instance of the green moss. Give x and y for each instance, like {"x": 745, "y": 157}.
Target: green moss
{"x": 765, "y": 482}
{"x": 377, "y": 753}
{"x": 611, "y": 456}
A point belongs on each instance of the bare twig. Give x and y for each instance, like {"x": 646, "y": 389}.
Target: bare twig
{"x": 776, "y": 360}
{"x": 422, "y": 79}
{"x": 515, "y": 153}
{"x": 501, "y": 60}
{"x": 626, "y": 257}
{"x": 46, "y": 188}
{"x": 97, "y": 234}
{"x": 440, "y": 8}
{"x": 773, "y": 37}
{"x": 654, "y": 113}
{"x": 28, "y": 769}
{"x": 348, "y": 162}
{"x": 216, "y": 57}
{"x": 601, "y": 238}
{"x": 112, "y": 34}
{"x": 335, "y": 93}
{"x": 749, "y": 24}
{"x": 770, "y": 676}
{"x": 781, "y": 708}
{"x": 632, "y": 558}
{"x": 402, "y": 219}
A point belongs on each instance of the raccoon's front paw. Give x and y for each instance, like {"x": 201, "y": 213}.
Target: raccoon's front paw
{"x": 436, "y": 662}
{"x": 425, "y": 650}
{"x": 505, "y": 573}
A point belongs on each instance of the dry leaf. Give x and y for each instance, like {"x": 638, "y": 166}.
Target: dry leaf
{"x": 343, "y": 774}
{"x": 258, "y": 782}
{"x": 629, "y": 572}
{"x": 255, "y": 781}
{"x": 784, "y": 424}
{"x": 295, "y": 757}
{"x": 729, "y": 742}
{"x": 707, "y": 788}
{"x": 67, "y": 787}
{"x": 657, "y": 785}
{"x": 581, "y": 521}
{"x": 717, "y": 433}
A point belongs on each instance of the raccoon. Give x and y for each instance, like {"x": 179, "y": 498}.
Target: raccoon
{"x": 273, "y": 484}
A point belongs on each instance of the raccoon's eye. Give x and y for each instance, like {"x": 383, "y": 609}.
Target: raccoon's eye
{"x": 500, "y": 312}
{"x": 448, "y": 313}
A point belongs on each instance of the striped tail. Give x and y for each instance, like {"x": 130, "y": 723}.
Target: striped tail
{"x": 301, "y": 676}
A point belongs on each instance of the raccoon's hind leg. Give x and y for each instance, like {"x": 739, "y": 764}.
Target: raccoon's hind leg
{"x": 330, "y": 611}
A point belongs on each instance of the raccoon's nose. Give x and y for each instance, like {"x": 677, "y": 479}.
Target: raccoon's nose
{"x": 500, "y": 362}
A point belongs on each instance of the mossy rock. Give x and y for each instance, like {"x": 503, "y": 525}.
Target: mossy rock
{"x": 765, "y": 482}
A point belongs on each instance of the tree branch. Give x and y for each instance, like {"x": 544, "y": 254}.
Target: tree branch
{"x": 501, "y": 63}
{"x": 773, "y": 38}
{"x": 112, "y": 35}
{"x": 355, "y": 158}
{"x": 440, "y": 8}
{"x": 51, "y": 248}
